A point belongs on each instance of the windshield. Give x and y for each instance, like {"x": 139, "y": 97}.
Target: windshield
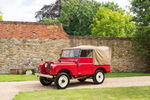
{"x": 70, "y": 53}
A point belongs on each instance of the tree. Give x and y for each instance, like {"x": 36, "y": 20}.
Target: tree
{"x": 111, "y": 5}
{"x": 49, "y": 20}
{"x": 141, "y": 39}
{"x": 108, "y": 23}
{"x": 49, "y": 11}
{"x": 1, "y": 19}
{"x": 76, "y": 16}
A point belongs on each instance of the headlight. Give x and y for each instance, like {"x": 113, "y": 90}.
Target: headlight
{"x": 46, "y": 65}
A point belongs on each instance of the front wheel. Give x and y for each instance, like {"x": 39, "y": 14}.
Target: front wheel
{"x": 44, "y": 81}
{"x": 62, "y": 80}
{"x": 98, "y": 77}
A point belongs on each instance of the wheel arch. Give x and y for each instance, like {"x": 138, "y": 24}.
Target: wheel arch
{"x": 101, "y": 68}
{"x": 66, "y": 71}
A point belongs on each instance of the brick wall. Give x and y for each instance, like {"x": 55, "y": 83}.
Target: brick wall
{"x": 31, "y": 30}
{"x": 24, "y": 43}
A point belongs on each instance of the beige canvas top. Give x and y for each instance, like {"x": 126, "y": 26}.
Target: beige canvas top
{"x": 101, "y": 54}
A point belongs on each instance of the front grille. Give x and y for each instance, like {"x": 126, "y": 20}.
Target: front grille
{"x": 48, "y": 67}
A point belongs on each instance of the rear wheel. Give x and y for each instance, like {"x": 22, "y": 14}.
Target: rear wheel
{"x": 82, "y": 80}
{"x": 98, "y": 77}
{"x": 62, "y": 80}
{"x": 44, "y": 81}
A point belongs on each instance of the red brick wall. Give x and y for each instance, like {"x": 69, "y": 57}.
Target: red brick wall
{"x": 10, "y": 29}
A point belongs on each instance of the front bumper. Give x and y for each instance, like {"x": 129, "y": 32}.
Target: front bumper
{"x": 44, "y": 75}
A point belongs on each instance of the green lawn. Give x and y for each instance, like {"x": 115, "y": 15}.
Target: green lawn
{"x": 10, "y": 77}
{"x": 127, "y": 74}
{"x": 121, "y": 93}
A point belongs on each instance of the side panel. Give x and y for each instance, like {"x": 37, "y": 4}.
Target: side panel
{"x": 85, "y": 66}
{"x": 106, "y": 67}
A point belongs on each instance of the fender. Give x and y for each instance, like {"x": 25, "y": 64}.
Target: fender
{"x": 63, "y": 70}
{"x": 105, "y": 68}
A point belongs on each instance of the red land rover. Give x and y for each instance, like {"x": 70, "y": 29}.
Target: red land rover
{"x": 79, "y": 63}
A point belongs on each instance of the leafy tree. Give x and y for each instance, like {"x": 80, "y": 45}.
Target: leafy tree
{"x": 141, "y": 39}
{"x": 76, "y": 16}
{"x": 49, "y": 20}
{"x": 108, "y": 23}
{"x": 111, "y": 5}
{"x": 1, "y": 19}
{"x": 51, "y": 11}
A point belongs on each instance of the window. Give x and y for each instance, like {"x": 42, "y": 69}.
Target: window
{"x": 86, "y": 53}
{"x": 70, "y": 53}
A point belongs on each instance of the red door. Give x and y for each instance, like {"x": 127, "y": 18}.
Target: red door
{"x": 85, "y": 66}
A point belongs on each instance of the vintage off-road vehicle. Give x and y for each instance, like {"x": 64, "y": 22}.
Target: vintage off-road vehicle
{"x": 79, "y": 63}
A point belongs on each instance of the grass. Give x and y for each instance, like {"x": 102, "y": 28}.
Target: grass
{"x": 121, "y": 93}
{"x": 126, "y": 74}
{"x": 10, "y": 77}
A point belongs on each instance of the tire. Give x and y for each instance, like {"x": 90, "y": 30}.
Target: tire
{"x": 82, "y": 80}
{"x": 98, "y": 77}
{"x": 62, "y": 80}
{"x": 45, "y": 82}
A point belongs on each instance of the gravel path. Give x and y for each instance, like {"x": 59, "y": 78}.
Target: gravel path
{"x": 9, "y": 89}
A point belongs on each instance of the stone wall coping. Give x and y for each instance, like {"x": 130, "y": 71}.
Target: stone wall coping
{"x": 102, "y": 38}
{"x": 78, "y": 37}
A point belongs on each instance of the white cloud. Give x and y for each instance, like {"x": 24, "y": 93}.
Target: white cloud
{"x": 21, "y": 10}
{"x": 24, "y": 10}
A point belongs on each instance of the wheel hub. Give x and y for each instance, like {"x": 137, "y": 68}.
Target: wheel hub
{"x": 99, "y": 77}
{"x": 63, "y": 81}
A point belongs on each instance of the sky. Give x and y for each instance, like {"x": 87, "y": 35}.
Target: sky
{"x": 24, "y": 10}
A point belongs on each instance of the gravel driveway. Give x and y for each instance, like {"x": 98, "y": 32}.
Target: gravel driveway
{"x": 9, "y": 89}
